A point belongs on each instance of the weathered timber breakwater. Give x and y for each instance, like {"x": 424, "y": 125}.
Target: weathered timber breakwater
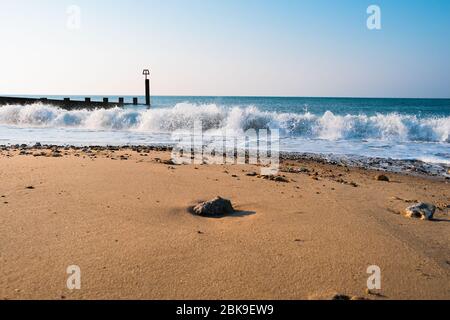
{"x": 66, "y": 104}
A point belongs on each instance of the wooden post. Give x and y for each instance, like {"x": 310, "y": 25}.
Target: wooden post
{"x": 121, "y": 100}
{"x": 135, "y": 101}
{"x": 147, "y": 92}
{"x": 87, "y": 100}
{"x": 105, "y": 100}
{"x": 146, "y": 73}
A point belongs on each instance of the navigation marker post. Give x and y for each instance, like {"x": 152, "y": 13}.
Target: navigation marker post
{"x": 146, "y": 73}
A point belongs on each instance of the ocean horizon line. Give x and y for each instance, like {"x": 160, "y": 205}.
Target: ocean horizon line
{"x": 225, "y": 96}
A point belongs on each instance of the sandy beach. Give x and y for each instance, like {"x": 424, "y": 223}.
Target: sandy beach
{"x": 122, "y": 217}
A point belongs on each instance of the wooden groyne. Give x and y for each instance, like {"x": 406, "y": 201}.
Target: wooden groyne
{"x": 68, "y": 103}
{"x": 87, "y": 103}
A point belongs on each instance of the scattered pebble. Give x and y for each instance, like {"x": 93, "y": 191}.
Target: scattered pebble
{"x": 342, "y": 181}
{"x": 341, "y": 297}
{"x": 275, "y": 178}
{"x": 344, "y": 297}
{"x": 382, "y": 177}
{"x": 373, "y": 293}
{"x": 169, "y": 162}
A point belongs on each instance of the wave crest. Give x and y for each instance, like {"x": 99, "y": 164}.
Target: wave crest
{"x": 328, "y": 126}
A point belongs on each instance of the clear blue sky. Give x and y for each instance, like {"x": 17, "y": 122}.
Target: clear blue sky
{"x": 226, "y": 47}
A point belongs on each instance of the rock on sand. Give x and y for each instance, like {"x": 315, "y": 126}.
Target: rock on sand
{"x": 382, "y": 177}
{"x": 423, "y": 211}
{"x": 217, "y": 207}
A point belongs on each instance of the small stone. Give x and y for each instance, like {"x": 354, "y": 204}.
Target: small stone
{"x": 217, "y": 207}
{"x": 275, "y": 178}
{"x": 341, "y": 297}
{"x": 382, "y": 177}
{"x": 281, "y": 179}
{"x": 39, "y": 154}
{"x": 168, "y": 162}
{"x": 373, "y": 293}
{"x": 356, "y": 298}
{"x": 252, "y": 174}
{"x": 423, "y": 211}
{"x": 344, "y": 297}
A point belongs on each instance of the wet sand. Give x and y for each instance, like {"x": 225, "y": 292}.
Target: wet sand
{"x": 122, "y": 217}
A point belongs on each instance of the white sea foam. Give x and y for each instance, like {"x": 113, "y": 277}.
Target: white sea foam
{"x": 328, "y": 126}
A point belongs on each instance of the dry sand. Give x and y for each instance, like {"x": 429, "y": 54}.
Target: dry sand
{"x": 125, "y": 223}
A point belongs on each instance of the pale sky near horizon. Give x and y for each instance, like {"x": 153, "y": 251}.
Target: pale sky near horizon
{"x": 226, "y": 47}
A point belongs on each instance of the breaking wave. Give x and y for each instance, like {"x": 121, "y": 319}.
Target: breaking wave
{"x": 328, "y": 126}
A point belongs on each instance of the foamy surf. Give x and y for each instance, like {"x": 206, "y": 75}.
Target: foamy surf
{"x": 327, "y": 126}
{"x": 389, "y": 135}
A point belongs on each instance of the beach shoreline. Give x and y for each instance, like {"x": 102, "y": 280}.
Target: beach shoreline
{"x": 121, "y": 215}
{"x": 399, "y": 166}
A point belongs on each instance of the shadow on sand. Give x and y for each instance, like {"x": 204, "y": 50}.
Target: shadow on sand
{"x": 439, "y": 220}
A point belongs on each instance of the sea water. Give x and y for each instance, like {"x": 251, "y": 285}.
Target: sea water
{"x": 401, "y": 129}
